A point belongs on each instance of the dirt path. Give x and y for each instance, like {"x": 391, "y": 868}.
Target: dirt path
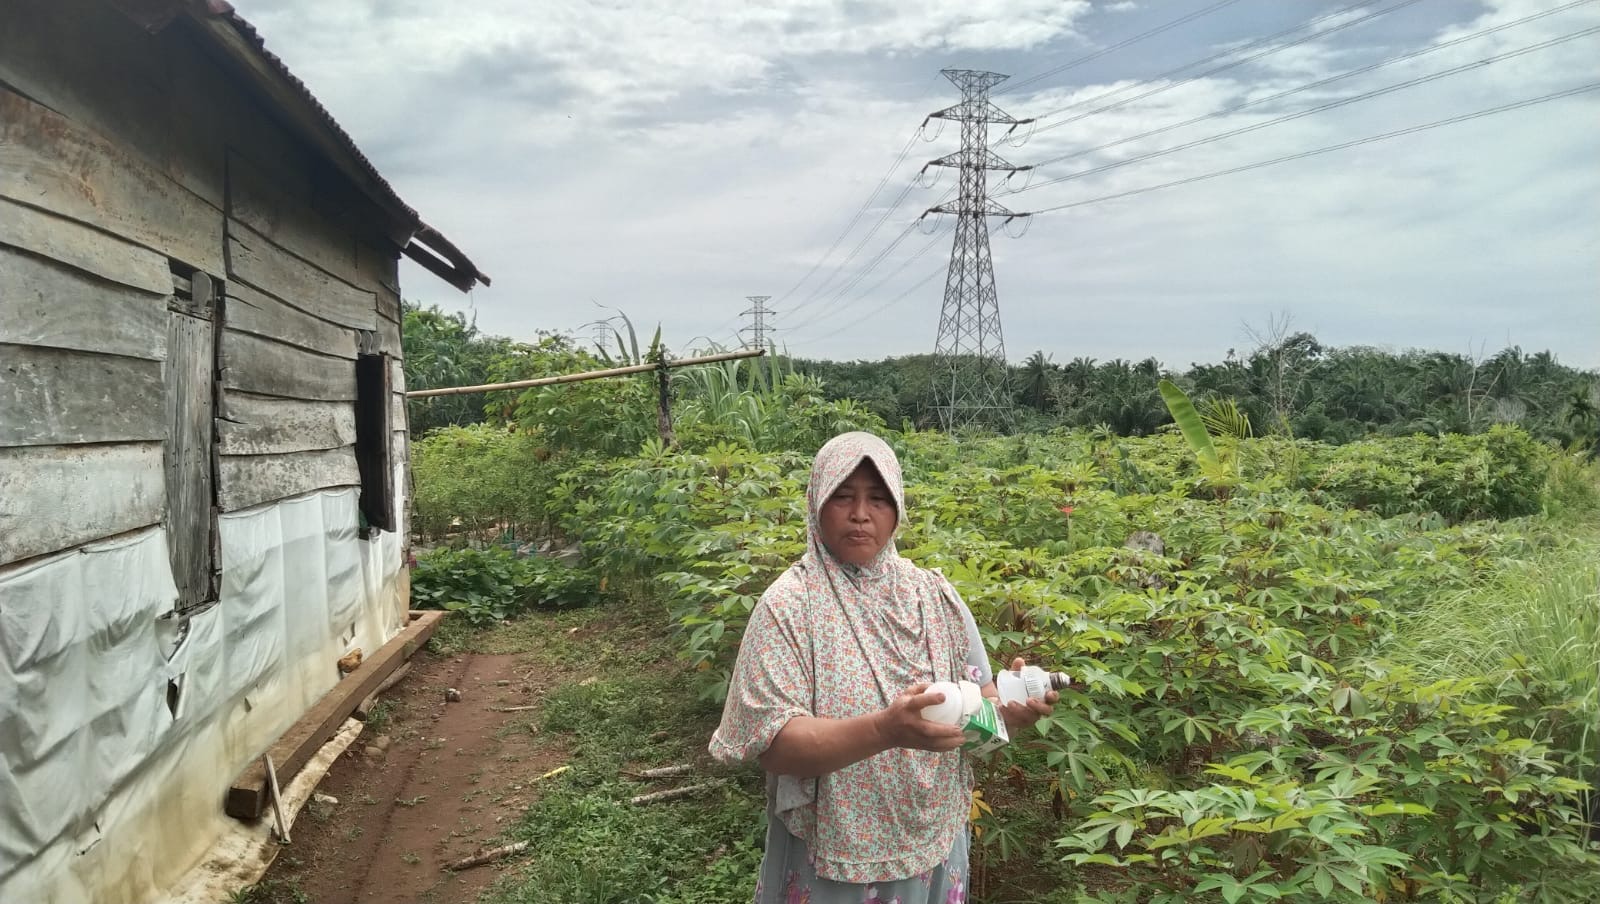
{"x": 428, "y": 782}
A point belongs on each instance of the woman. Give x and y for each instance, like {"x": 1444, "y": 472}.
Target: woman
{"x": 867, "y": 801}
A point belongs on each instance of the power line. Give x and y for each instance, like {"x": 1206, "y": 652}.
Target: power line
{"x": 898, "y": 298}
{"x": 894, "y": 205}
{"x": 1223, "y": 68}
{"x": 899, "y": 158}
{"x": 854, "y": 252}
{"x": 929, "y": 246}
{"x": 1234, "y": 108}
{"x": 1504, "y": 108}
{"x": 1056, "y": 70}
{"x": 862, "y": 274}
{"x": 865, "y": 205}
{"x": 881, "y": 308}
{"x": 1320, "y": 108}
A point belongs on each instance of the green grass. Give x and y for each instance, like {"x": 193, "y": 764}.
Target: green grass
{"x": 627, "y": 704}
{"x": 1539, "y": 615}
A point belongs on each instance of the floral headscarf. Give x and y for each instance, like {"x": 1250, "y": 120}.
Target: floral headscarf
{"x": 836, "y": 641}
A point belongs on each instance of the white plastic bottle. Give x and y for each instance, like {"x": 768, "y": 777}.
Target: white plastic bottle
{"x": 965, "y": 707}
{"x": 1031, "y": 683}
{"x": 960, "y": 700}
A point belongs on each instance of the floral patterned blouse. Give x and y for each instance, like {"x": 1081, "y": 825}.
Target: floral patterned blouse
{"x": 836, "y": 641}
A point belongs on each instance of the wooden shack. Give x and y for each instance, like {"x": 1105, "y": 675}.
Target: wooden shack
{"x": 203, "y": 447}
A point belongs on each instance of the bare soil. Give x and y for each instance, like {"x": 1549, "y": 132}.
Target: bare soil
{"x": 450, "y": 779}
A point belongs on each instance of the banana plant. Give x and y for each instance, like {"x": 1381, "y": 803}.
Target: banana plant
{"x": 1222, "y": 473}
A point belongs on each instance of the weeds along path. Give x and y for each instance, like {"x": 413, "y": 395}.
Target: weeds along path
{"x": 598, "y": 691}
{"x": 428, "y": 782}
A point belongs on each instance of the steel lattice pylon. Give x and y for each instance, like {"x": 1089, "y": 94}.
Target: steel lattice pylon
{"x": 755, "y": 335}
{"x": 970, "y": 353}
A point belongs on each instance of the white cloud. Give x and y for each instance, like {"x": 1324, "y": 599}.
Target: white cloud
{"x": 670, "y": 159}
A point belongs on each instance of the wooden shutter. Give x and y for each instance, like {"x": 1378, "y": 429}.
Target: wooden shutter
{"x": 372, "y": 440}
{"x": 189, "y": 380}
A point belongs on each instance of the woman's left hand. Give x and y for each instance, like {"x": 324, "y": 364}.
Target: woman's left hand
{"x": 1018, "y": 715}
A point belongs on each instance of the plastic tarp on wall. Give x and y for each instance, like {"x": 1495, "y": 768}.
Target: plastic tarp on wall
{"x": 120, "y": 733}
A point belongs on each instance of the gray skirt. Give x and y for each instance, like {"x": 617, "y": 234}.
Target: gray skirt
{"x": 788, "y": 877}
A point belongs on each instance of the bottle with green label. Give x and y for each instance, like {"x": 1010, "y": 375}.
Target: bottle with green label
{"x": 966, "y": 707}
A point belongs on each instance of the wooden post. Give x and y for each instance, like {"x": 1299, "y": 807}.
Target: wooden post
{"x": 664, "y": 403}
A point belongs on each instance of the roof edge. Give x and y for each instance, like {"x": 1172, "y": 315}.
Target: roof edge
{"x": 236, "y": 38}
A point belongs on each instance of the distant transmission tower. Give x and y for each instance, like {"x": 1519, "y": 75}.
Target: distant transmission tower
{"x": 755, "y": 335}
{"x": 602, "y": 333}
{"x": 970, "y": 354}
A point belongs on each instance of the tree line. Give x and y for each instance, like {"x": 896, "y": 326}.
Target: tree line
{"x": 1290, "y": 382}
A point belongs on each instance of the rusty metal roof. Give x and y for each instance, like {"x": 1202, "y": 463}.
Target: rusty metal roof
{"x": 237, "y": 38}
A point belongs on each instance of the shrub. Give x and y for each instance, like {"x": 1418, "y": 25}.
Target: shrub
{"x": 492, "y": 583}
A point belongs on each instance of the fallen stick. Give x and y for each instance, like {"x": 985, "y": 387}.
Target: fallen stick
{"x": 514, "y": 709}
{"x": 366, "y": 706}
{"x": 662, "y": 771}
{"x": 675, "y": 793}
{"x": 277, "y": 799}
{"x": 488, "y": 856}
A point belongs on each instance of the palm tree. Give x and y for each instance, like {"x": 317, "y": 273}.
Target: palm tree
{"x": 1036, "y": 379}
{"x": 1583, "y": 415}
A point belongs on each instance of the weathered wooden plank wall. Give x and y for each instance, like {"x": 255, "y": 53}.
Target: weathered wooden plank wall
{"x": 61, "y": 239}
{"x": 265, "y": 367}
{"x": 58, "y": 497}
{"x": 44, "y": 304}
{"x": 262, "y": 425}
{"x": 114, "y": 174}
{"x": 51, "y": 396}
{"x": 48, "y": 159}
{"x": 250, "y": 480}
{"x": 259, "y": 314}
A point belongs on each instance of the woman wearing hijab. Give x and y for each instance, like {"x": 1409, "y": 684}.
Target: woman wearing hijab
{"x": 867, "y": 801}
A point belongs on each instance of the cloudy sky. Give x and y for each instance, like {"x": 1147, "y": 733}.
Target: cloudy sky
{"x": 669, "y": 158}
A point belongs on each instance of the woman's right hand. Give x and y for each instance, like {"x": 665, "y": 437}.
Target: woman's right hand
{"x": 901, "y": 724}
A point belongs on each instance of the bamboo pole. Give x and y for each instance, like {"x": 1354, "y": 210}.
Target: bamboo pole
{"x": 586, "y": 375}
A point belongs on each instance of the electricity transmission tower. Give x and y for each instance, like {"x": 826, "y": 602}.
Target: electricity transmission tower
{"x": 970, "y": 355}
{"x": 755, "y": 335}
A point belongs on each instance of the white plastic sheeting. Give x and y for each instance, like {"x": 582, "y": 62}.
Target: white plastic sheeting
{"x": 114, "y": 758}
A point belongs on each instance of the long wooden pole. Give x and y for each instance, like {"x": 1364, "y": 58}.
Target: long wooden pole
{"x": 586, "y": 375}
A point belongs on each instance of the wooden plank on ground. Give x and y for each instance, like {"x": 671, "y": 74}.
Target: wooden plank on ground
{"x": 254, "y": 259}
{"x": 279, "y": 208}
{"x": 262, "y": 425}
{"x": 83, "y": 248}
{"x": 265, "y": 367}
{"x": 57, "y": 497}
{"x": 249, "y": 480}
{"x": 247, "y": 797}
{"x": 259, "y": 314}
{"x": 49, "y": 161}
{"x": 52, "y": 396}
{"x": 43, "y": 303}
